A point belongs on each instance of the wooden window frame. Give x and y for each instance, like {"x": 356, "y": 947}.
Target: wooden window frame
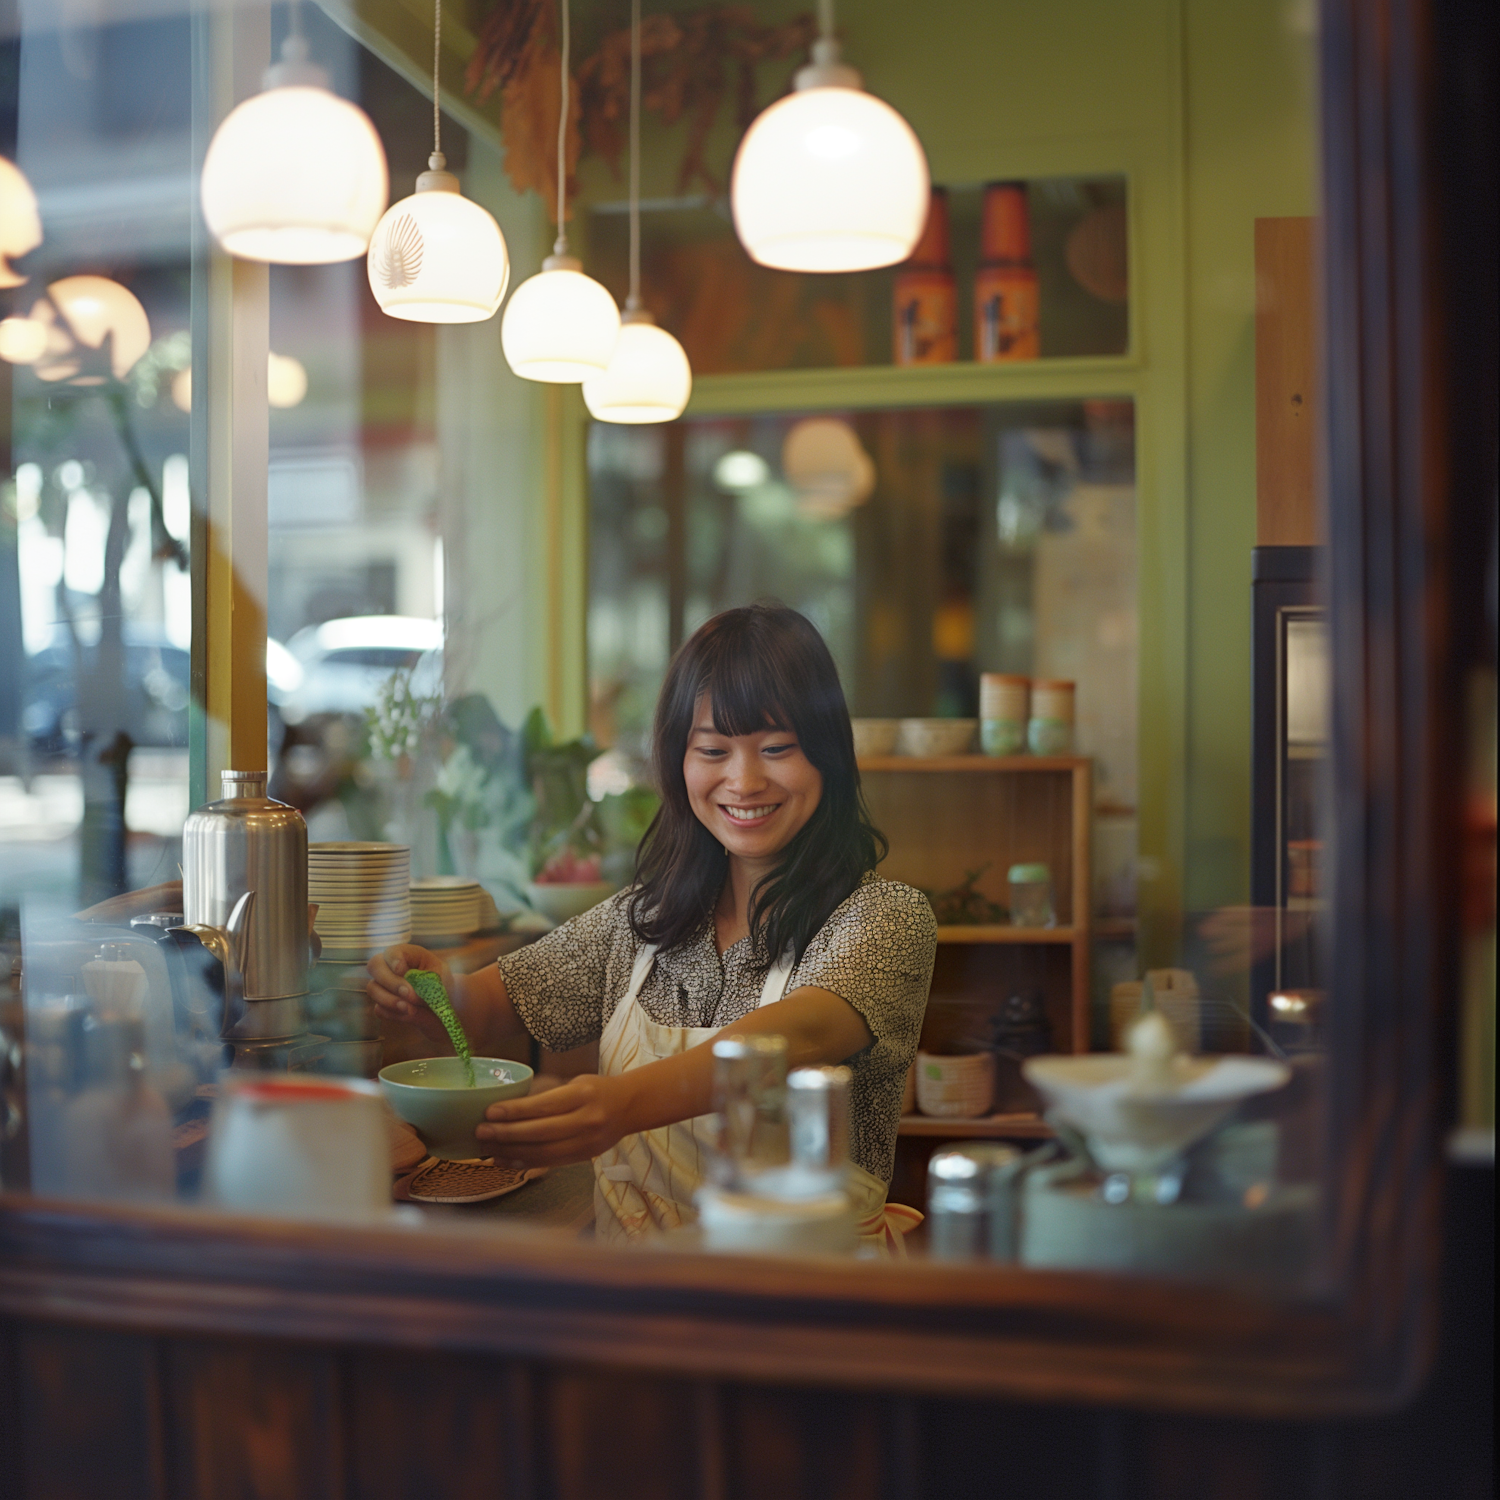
{"x": 1399, "y": 494}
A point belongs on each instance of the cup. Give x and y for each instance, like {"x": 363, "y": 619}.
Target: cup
{"x": 298, "y": 1147}
{"x": 955, "y": 1086}
{"x": 1004, "y": 707}
{"x": 1050, "y": 728}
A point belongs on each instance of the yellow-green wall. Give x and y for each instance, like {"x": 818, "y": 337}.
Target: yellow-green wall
{"x": 1206, "y": 106}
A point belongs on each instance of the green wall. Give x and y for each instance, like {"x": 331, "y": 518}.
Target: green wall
{"x": 1206, "y": 106}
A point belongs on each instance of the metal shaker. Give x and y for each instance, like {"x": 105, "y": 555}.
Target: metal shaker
{"x": 971, "y": 1202}
{"x": 817, "y": 1117}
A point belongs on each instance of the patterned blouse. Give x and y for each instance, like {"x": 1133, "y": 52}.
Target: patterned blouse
{"x": 876, "y": 952}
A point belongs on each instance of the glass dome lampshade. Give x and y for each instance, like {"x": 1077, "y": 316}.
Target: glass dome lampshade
{"x": 91, "y": 310}
{"x": 560, "y": 325}
{"x": 20, "y": 222}
{"x": 295, "y": 175}
{"x": 438, "y": 257}
{"x": 648, "y": 378}
{"x": 829, "y": 178}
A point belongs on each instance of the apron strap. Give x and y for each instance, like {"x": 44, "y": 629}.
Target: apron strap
{"x": 777, "y": 975}
{"x": 638, "y": 972}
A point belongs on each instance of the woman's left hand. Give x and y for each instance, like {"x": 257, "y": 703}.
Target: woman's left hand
{"x": 574, "y": 1121}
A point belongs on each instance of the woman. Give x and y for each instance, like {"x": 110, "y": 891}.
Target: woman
{"x": 756, "y": 909}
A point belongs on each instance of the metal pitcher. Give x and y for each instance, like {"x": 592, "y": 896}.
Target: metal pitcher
{"x": 249, "y": 845}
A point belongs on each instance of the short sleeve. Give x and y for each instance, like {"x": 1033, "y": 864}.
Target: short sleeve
{"x": 876, "y": 952}
{"x": 561, "y": 983}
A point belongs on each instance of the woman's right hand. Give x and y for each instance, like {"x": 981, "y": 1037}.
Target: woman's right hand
{"x": 394, "y": 999}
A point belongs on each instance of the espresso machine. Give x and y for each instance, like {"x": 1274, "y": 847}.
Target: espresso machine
{"x": 244, "y": 900}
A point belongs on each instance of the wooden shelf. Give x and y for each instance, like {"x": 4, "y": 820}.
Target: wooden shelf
{"x": 1026, "y": 1127}
{"x": 972, "y": 762}
{"x": 1115, "y": 929}
{"x": 1002, "y": 933}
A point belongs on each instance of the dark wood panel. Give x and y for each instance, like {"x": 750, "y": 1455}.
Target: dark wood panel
{"x": 89, "y": 1419}
{"x": 611, "y": 1436}
{"x": 254, "y": 1421}
{"x": 425, "y": 1425}
{"x": 805, "y": 1445}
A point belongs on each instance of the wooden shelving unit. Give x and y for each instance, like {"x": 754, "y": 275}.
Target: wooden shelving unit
{"x": 944, "y": 817}
{"x": 948, "y": 815}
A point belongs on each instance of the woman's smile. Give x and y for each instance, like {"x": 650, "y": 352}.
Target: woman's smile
{"x": 749, "y": 814}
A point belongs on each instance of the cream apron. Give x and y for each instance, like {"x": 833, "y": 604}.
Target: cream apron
{"x": 645, "y": 1183}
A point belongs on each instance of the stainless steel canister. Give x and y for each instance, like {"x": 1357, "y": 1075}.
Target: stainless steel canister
{"x": 247, "y": 842}
{"x": 971, "y": 1203}
{"x": 750, "y": 1101}
{"x": 817, "y": 1118}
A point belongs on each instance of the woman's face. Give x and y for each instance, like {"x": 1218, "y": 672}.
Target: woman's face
{"x": 753, "y": 792}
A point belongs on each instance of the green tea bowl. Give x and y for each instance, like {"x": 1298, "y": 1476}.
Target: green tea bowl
{"x": 432, "y": 1095}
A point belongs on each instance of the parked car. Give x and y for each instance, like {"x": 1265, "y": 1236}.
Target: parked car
{"x": 157, "y": 687}
{"x": 339, "y": 666}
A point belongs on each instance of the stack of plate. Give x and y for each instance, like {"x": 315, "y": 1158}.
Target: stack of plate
{"x": 361, "y": 892}
{"x": 444, "y": 909}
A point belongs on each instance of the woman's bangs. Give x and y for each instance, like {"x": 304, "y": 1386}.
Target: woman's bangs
{"x": 741, "y": 686}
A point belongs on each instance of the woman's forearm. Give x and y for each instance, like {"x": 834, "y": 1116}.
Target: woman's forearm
{"x": 589, "y": 1114}
{"x": 485, "y": 1010}
{"x": 820, "y": 1028}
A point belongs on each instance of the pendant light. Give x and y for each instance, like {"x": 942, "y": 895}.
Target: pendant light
{"x": 829, "y": 178}
{"x": 438, "y": 257}
{"x": 560, "y": 325}
{"x": 295, "y": 175}
{"x": 649, "y": 378}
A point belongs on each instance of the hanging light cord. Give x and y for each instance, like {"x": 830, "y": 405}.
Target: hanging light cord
{"x": 633, "y": 301}
{"x": 825, "y": 18}
{"x": 560, "y": 247}
{"x": 437, "y": 52}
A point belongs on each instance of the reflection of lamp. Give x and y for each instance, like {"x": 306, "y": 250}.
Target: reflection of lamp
{"x": 20, "y": 224}
{"x": 561, "y": 325}
{"x": 286, "y": 383}
{"x": 826, "y": 464}
{"x": 829, "y": 178}
{"x": 286, "y": 380}
{"x": 294, "y": 175}
{"x": 740, "y": 469}
{"x": 438, "y": 257}
{"x": 649, "y": 378}
{"x": 91, "y": 309}
{"x": 23, "y": 341}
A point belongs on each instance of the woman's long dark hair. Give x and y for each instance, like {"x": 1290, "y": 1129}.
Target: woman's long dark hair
{"x": 763, "y": 667}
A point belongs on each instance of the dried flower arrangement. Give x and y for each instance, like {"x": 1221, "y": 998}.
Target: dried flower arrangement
{"x": 690, "y": 61}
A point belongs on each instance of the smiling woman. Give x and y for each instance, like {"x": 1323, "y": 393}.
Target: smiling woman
{"x": 756, "y": 910}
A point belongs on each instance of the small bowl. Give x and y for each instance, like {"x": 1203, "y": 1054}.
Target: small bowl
{"x": 955, "y": 1087}
{"x": 561, "y": 901}
{"x": 932, "y": 737}
{"x": 875, "y": 736}
{"x": 430, "y": 1094}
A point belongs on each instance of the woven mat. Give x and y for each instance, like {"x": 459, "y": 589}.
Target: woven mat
{"x": 465, "y": 1181}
